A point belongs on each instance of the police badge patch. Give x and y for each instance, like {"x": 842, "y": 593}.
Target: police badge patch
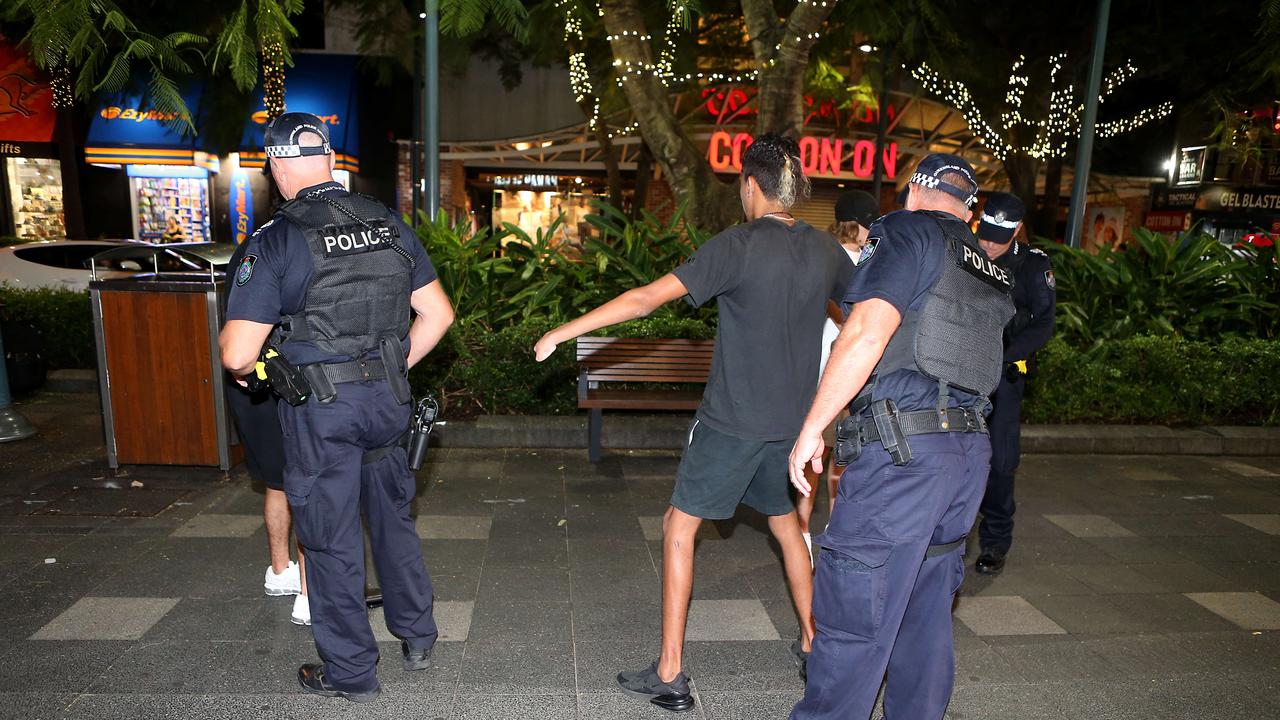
{"x": 246, "y": 269}
{"x": 867, "y": 251}
{"x": 1048, "y": 280}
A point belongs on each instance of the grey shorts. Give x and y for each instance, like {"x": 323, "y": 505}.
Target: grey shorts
{"x": 719, "y": 471}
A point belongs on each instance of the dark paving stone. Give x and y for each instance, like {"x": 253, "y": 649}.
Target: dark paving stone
{"x": 1024, "y": 577}
{"x": 266, "y": 667}
{"x": 1115, "y": 579}
{"x": 613, "y": 705}
{"x": 1234, "y": 652}
{"x": 1101, "y": 700}
{"x": 1146, "y": 656}
{"x": 1046, "y": 662}
{"x": 746, "y": 706}
{"x": 492, "y": 707}
{"x": 1186, "y": 577}
{"x": 226, "y": 620}
{"x": 633, "y": 620}
{"x": 758, "y": 666}
{"x": 1186, "y": 525}
{"x": 34, "y": 705}
{"x": 189, "y": 667}
{"x": 1002, "y": 702}
{"x": 499, "y": 618}
{"x": 194, "y": 567}
{"x": 43, "y": 592}
{"x": 57, "y": 666}
{"x": 32, "y": 549}
{"x": 102, "y": 502}
{"x": 1218, "y": 698}
{"x": 108, "y": 549}
{"x": 978, "y": 663}
{"x": 505, "y": 667}
{"x": 1260, "y": 576}
{"x": 439, "y": 679}
{"x": 599, "y": 660}
{"x": 525, "y": 582}
{"x": 1138, "y": 550}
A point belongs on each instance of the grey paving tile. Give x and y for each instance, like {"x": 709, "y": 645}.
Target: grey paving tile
{"x": 1002, "y": 702}
{"x": 1260, "y": 576}
{"x": 491, "y": 707}
{"x": 43, "y": 592}
{"x": 613, "y": 705}
{"x": 263, "y": 667}
{"x": 1117, "y": 700}
{"x": 1115, "y": 579}
{"x": 1138, "y": 550}
{"x": 1218, "y": 698}
{"x": 1146, "y": 656}
{"x": 1048, "y": 662}
{"x": 599, "y": 661}
{"x": 729, "y": 620}
{"x": 978, "y": 663}
{"x": 1234, "y": 652}
{"x": 453, "y": 620}
{"x": 746, "y": 705}
{"x": 225, "y": 619}
{"x": 454, "y": 527}
{"x": 1185, "y": 576}
{"x": 34, "y": 705}
{"x": 34, "y": 548}
{"x": 634, "y": 621}
{"x": 1249, "y": 610}
{"x": 439, "y": 679}
{"x": 1025, "y": 578}
{"x": 1267, "y": 523}
{"x": 497, "y": 618}
{"x": 1147, "y": 474}
{"x": 183, "y": 667}
{"x": 106, "y": 618}
{"x": 1186, "y": 525}
{"x": 505, "y": 667}
{"x": 56, "y": 667}
{"x": 208, "y": 525}
{"x": 543, "y": 583}
{"x": 1004, "y": 615}
{"x": 764, "y": 666}
{"x": 1089, "y": 526}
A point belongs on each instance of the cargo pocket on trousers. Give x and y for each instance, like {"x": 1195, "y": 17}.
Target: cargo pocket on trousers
{"x": 306, "y": 503}
{"x": 850, "y": 591}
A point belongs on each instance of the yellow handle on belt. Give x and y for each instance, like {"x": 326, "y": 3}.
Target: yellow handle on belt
{"x": 260, "y": 368}
{"x": 1021, "y": 365}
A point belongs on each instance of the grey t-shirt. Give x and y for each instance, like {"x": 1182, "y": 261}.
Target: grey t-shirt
{"x": 771, "y": 282}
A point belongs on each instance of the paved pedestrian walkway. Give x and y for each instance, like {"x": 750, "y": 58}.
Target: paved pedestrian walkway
{"x": 1138, "y": 587}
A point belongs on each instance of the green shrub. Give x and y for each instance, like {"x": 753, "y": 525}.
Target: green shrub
{"x": 1186, "y": 285}
{"x": 63, "y": 318}
{"x": 1164, "y": 380}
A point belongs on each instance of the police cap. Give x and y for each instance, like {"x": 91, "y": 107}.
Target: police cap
{"x": 281, "y": 137}
{"x": 857, "y": 206}
{"x": 934, "y": 166}
{"x": 1000, "y": 218}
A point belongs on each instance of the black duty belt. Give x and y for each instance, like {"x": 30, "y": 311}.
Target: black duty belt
{"x": 923, "y": 422}
{"x": 354, "y": 371}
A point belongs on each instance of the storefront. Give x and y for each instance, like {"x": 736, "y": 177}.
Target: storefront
{"x": 30, "y": 174}
{"x": 169, "y": 189}
{"x": 1229, "y": 213}
{"x": 534, "y": 202}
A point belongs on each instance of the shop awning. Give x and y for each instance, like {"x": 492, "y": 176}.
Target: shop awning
{"x": 127, "y": 130}
{"x": 26, "y": 106}
{"x": 323, "y": 85}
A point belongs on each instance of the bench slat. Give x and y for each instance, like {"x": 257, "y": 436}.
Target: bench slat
{"x": 642, "y": 399}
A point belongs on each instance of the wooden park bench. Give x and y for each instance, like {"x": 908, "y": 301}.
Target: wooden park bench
{"x": 633, "y": 361}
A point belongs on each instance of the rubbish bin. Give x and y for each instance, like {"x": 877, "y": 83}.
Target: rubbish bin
{"x": 163, "y": 386}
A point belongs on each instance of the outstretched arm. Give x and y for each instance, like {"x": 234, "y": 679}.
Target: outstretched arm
{"x": 630, "y": 305}
{"x": 853, "y": 357}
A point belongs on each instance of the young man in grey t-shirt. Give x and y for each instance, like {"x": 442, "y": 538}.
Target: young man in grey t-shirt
{"x": 771, "y": 278}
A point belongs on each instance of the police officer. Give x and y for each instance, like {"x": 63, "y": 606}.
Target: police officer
{"x": 1030, "y": 329}
{"x": 329, "y": 283}
{"x": 921, "y": 351}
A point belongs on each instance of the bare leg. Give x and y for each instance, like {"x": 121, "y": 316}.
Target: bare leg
{"x": 678, "y": 531}
{"x": 795, "y": 558}
{"x": 275, "y": 511}
{"x": 302, "y": 569}
{"x": 804, "y": 503}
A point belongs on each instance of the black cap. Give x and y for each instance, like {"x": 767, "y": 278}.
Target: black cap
{"x": 857, "y": 206}
{"x": 1000, "y": 218}
{"x": 281, "y": 138}
{"x": 934, "y": 165}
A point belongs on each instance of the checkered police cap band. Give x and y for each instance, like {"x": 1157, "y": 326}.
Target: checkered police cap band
{"x": 999, "y": 221}
{"x": 292, "y": 148}
{"x": 933, "y": 182}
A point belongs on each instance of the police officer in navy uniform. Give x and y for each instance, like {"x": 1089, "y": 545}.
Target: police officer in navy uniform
{"x": 1030, "y": 329}
{"x": 329, "y": 283}
{"x": 918, "y": 357}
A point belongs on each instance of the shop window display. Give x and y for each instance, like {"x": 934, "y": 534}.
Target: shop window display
{"x": 534, "y": 211}
{"x": 35, "y": 188}
{"x": 172, "y": 209}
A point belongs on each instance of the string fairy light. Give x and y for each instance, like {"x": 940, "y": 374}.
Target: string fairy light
{"x": 273, "y": 77}
{"x": 60, "y": 82}
{"x": 1063, "y": 122}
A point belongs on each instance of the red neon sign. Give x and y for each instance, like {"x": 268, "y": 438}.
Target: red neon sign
{"x": 730, "y": 103}
{"x": 818, "y": 156}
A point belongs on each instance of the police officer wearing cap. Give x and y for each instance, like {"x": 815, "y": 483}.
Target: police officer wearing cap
{"x": 918, "y": 357}
{"x": 331, "y": 283}
{"x": 1030, "y": 329}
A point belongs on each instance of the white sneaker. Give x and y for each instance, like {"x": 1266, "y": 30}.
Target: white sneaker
{"x": 301, "y": 611}
{"x": 288, "y": 582}
{"x": 808, "y": 542}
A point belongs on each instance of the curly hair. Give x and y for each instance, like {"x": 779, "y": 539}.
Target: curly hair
{"x": 774, "y": 161}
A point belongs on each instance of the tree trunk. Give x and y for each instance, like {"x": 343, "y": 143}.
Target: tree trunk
{"x": 72, "y": 201}
{"x": 780, "y": 96}
{"x": 1022, "y": 171}
{"x": 1048, "y": 222}
{"x": 712, "y": 203}
{"x": 644, "y": 170}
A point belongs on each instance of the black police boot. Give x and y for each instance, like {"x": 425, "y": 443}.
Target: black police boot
{"x": 646, "y": 684}
{"x": 311, "y": 678}
{"x": 415, "y": 659}
{"x": 990, "y": 562}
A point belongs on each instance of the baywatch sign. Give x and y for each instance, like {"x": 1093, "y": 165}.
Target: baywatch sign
{"x": 831, "y": 157}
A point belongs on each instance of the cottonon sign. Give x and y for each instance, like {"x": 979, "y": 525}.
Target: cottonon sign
{"x": 818, "y": 156}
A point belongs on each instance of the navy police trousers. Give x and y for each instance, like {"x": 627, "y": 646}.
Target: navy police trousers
{"x": 880, "y": 604}
{"x": 996, "y": 530}
{"x": 328, "y": 488}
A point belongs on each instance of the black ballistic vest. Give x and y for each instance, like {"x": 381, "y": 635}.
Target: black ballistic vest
{"x": 957, "y": 336}
{"x": 360, "y": 286}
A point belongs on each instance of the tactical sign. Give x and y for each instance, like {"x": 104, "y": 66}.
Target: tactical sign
{"x": 977, "y": 264}
{"x": 354, "y": 239}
